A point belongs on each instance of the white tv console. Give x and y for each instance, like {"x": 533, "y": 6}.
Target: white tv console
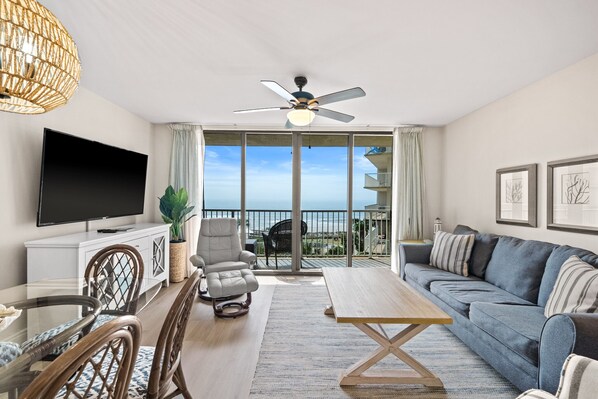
{"x": 67, "y": 256}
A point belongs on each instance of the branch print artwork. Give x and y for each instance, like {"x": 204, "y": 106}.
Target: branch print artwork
{"x": 514, "y": 191}
{"x": 575, "y": 188}
{"x": 513, "y": 195}
{"x": 574, "y": 202}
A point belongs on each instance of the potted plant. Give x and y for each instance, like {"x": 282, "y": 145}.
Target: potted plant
{"x": 175, "y": 209}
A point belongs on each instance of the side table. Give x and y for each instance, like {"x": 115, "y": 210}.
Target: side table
{"x": 251, "y": 245}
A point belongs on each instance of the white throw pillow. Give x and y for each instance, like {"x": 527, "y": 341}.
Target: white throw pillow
{"x": 575, "y": 290}
{"x": 579, "y": 378}
{"x": 451, "y": 252}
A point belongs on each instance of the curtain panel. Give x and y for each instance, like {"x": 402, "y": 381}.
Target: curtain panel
{"x": 186, "y": 170}
{"x": 409, "y": 201}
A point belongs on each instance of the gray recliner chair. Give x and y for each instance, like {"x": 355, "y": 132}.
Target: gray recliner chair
{"x": 219, "y": 250}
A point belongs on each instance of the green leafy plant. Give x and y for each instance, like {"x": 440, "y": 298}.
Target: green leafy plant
{"x": 174, "y": 206}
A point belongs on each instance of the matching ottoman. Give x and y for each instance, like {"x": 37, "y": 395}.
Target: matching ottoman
{"x": 223, "y": 285}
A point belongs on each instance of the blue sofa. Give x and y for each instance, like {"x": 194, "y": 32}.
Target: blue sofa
{"x": 498, "y": 310}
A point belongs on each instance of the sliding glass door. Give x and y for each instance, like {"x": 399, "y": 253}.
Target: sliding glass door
{"x": 324, "y": 200}
{"x": 372, "y": 189}
{"x": 222, "y": 175}
{"x": 269, "y": 198}
{"x": 336, "y": 186}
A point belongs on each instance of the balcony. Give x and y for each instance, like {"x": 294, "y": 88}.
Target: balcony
{"x": 378, "y": 150}
{"x": 381, "y": 157}
{"x": 325, "y": 244}
{"x": 378, "y": 181}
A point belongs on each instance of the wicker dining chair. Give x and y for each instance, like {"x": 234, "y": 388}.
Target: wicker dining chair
{"x": 99, "y": 365}
{"x": 158, "y": 368}
{"x": 113, "y": 275}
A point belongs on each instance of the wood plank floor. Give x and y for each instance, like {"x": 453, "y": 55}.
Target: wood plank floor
{"x": 219, "y": 355}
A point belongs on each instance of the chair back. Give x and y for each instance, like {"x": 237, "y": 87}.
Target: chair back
{"x": 280, "y": 234}
{"x": 76, "y": 373}
{"x": 168, "y": 352}
{"x": 218, "y": 240}
{"x": 114, "y": 276}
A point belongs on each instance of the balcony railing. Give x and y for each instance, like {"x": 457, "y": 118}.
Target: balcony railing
{"x": 377, "y": 207}
{"x": 326, "y": 230}
{"x": 378, "y": 180}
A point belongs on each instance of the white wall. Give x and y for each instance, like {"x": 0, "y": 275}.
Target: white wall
{"x": 86, "y": 115}
{"x": 433, "y": 141}
{"x": 552, "y": 119}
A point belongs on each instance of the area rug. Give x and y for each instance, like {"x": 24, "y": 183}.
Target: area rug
{"x": 303, "y": 353}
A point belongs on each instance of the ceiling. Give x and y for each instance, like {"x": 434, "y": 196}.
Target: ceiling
{"x": 420, "y": 62}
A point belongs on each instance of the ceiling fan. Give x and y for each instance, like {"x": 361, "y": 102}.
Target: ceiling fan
{"x": 304, "y": 106}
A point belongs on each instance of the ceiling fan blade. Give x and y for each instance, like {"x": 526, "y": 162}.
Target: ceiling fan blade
{"x": 245, "y": 111}
{"x": 278, "y": 89}
{"x": 339, "y": 116}
{"x": 339, "y": 96}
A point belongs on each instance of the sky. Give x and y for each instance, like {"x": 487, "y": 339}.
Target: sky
{"x": 269, "y": 178}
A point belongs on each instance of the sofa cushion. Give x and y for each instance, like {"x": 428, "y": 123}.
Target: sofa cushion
{"x": 553, "y": 266}
{"x": 461, "y": 294}
{"x": 424, "y": 275}
{"x": 225, "y": 266}
{"x": 517, "y": 266}
{"x": 463, "y": 229}
{"x": 451, "y": 252}
{"x": 483, "y": 246}
{"x": 575, "y": 290}
{"x": 517, "y": 326}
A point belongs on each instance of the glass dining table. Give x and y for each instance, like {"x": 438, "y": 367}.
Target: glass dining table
{"x": 29, "y": 311}
{"x": 37, "y": 318}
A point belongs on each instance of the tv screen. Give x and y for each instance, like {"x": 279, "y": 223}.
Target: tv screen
{"x": 85, "y": 180}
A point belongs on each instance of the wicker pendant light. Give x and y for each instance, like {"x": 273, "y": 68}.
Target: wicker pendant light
{"x": 39, "y": 63}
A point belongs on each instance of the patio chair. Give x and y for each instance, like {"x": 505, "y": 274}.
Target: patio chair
{"x": 278, "y": 239}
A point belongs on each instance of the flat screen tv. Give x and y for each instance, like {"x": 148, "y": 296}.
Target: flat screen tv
{"x": 85, "y": 180}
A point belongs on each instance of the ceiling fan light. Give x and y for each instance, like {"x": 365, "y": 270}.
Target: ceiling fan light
{"x": 39, "y": 61}
{"x": 301, "y": 117}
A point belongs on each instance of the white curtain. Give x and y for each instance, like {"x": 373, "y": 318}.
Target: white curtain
{"x": 408, "y": 201}
{"x": 186, "y": 170}
{"x": 394, "y": 226}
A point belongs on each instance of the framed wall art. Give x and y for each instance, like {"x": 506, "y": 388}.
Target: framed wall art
{"x": 573, "y": 195}
{"x": 516, "y": 195}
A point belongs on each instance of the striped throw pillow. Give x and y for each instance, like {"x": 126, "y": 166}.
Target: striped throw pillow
{"x": 579, "y": 378}
{"x": 451, "y": 252}
{"x": 536, "y": 394}
{"x": 575, "y": 289}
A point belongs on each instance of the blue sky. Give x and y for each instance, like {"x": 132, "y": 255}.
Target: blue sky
{"x": 323, "y": 181}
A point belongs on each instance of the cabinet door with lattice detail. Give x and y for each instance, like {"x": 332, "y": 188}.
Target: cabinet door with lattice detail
{"x": 158, "y": 267}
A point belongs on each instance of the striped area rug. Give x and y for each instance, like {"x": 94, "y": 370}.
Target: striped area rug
{"x": 304, "y": 351}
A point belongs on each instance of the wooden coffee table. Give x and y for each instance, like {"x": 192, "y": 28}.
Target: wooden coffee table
{"x": 379, "y": 296}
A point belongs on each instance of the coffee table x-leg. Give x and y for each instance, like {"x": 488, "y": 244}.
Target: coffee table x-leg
{"x": 358, "y": 374}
